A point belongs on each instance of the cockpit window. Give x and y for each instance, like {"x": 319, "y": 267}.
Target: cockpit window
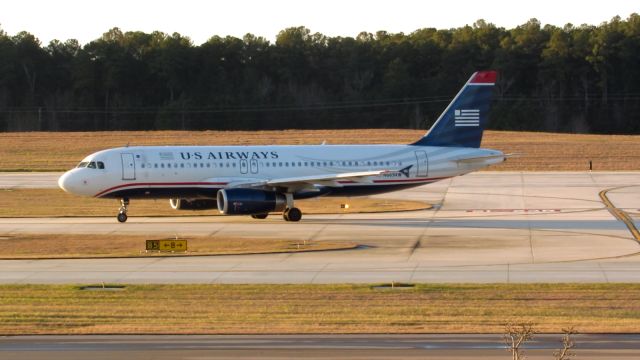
{"x": 91, "y": 165}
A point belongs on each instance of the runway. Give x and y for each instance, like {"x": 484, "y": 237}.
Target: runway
{"x": 445, "y": 346}
{"x": 486, "y": 227}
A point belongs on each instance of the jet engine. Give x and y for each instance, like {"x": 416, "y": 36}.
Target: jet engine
{"x": 195, "y": 204}
{"x": 249, "y": 201}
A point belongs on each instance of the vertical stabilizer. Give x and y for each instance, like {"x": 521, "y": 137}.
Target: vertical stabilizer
{"x": 462, "y": 122}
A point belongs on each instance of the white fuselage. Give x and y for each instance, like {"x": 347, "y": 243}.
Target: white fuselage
{"x": 179, "y": 171}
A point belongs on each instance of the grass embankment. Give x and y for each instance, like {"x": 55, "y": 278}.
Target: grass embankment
{"x": 55, "y": 202}
{"x": 269, "y": 309}
{"x": 47, "y": 246}
{"x": 56, "y": 151}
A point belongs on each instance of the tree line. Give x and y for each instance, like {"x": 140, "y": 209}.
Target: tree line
{"x": 571, "y": 79}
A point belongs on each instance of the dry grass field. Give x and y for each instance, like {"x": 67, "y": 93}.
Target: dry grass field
{"x": 44, "y": 151}
{"x": 24, "y": 246}
{"x": 54, "y": 202}
{"x": 285, "y": 309}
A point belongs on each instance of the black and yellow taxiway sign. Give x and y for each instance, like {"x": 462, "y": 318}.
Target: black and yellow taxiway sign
{"x": 167, "y": 245}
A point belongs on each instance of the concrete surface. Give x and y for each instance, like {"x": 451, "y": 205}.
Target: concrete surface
{"x": 159, "y": 347}
{"x": 487, "y": 227}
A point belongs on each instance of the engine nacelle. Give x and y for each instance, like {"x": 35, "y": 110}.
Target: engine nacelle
{"x": 196, "y": 204}
{"x": 249, "y": 201}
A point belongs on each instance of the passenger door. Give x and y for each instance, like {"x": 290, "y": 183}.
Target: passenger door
{"x": 422, "y": 162}
{"x": 128, "y": 167}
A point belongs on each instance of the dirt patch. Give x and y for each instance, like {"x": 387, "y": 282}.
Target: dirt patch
{"x": 311, "y": 309}
{"x": 57, "y": 151}
{"x": 50, "y": 246}
{"x": 55, "y": 202}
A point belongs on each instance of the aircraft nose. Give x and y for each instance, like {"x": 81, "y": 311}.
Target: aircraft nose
{"x": 66, "y": 182}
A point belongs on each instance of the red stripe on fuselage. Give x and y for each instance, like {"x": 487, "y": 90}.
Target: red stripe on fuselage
{"x": 398, "y": 180}
{"x": 103, "y": 192}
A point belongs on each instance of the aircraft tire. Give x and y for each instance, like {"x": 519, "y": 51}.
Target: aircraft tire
{"x": 260, "y": 216}
{"x": 122, "y": 217}
{"x": 294, "y": 214}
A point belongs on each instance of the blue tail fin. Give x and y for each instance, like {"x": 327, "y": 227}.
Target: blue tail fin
{"x": 462, "y": 122}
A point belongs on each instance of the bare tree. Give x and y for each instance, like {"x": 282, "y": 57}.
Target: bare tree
{"x": 515, "y": 336}
{"x": 567, "y": 344}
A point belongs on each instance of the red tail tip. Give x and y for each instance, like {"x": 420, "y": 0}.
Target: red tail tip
{"x": 484, "y": 77}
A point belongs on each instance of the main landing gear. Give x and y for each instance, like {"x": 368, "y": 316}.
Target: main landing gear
{"x": 122, "y": 214}
{"x": 291, "y": 213}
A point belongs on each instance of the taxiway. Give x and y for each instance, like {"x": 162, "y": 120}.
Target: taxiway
{"x": 431, "y": 346}
{"x": 486, "y": 227}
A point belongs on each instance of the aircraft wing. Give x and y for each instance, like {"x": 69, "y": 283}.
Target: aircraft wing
{"x": 304, "y": 181}
{"x": 358, "y": 176}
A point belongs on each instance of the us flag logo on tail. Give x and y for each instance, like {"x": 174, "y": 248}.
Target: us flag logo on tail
{"x": 467, "y": 117}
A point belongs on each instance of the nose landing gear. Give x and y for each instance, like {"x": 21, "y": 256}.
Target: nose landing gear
{"x": 122, "y": 214}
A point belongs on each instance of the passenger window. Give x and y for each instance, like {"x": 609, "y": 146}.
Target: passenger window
{"x": 142, "y": 166}
{"x": 155, "y": 165}
{"x": 101, "y": 165}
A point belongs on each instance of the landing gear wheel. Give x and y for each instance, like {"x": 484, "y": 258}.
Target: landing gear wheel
{"x": 285, "y": 214}
{"x": 122, "y": 217}
{"x": 122, "y": 214}
{"x": 260, "y": 216}
{"x": 292, "y": 214}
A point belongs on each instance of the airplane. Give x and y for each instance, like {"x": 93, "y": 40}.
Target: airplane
{"x": 258, "y": 180}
